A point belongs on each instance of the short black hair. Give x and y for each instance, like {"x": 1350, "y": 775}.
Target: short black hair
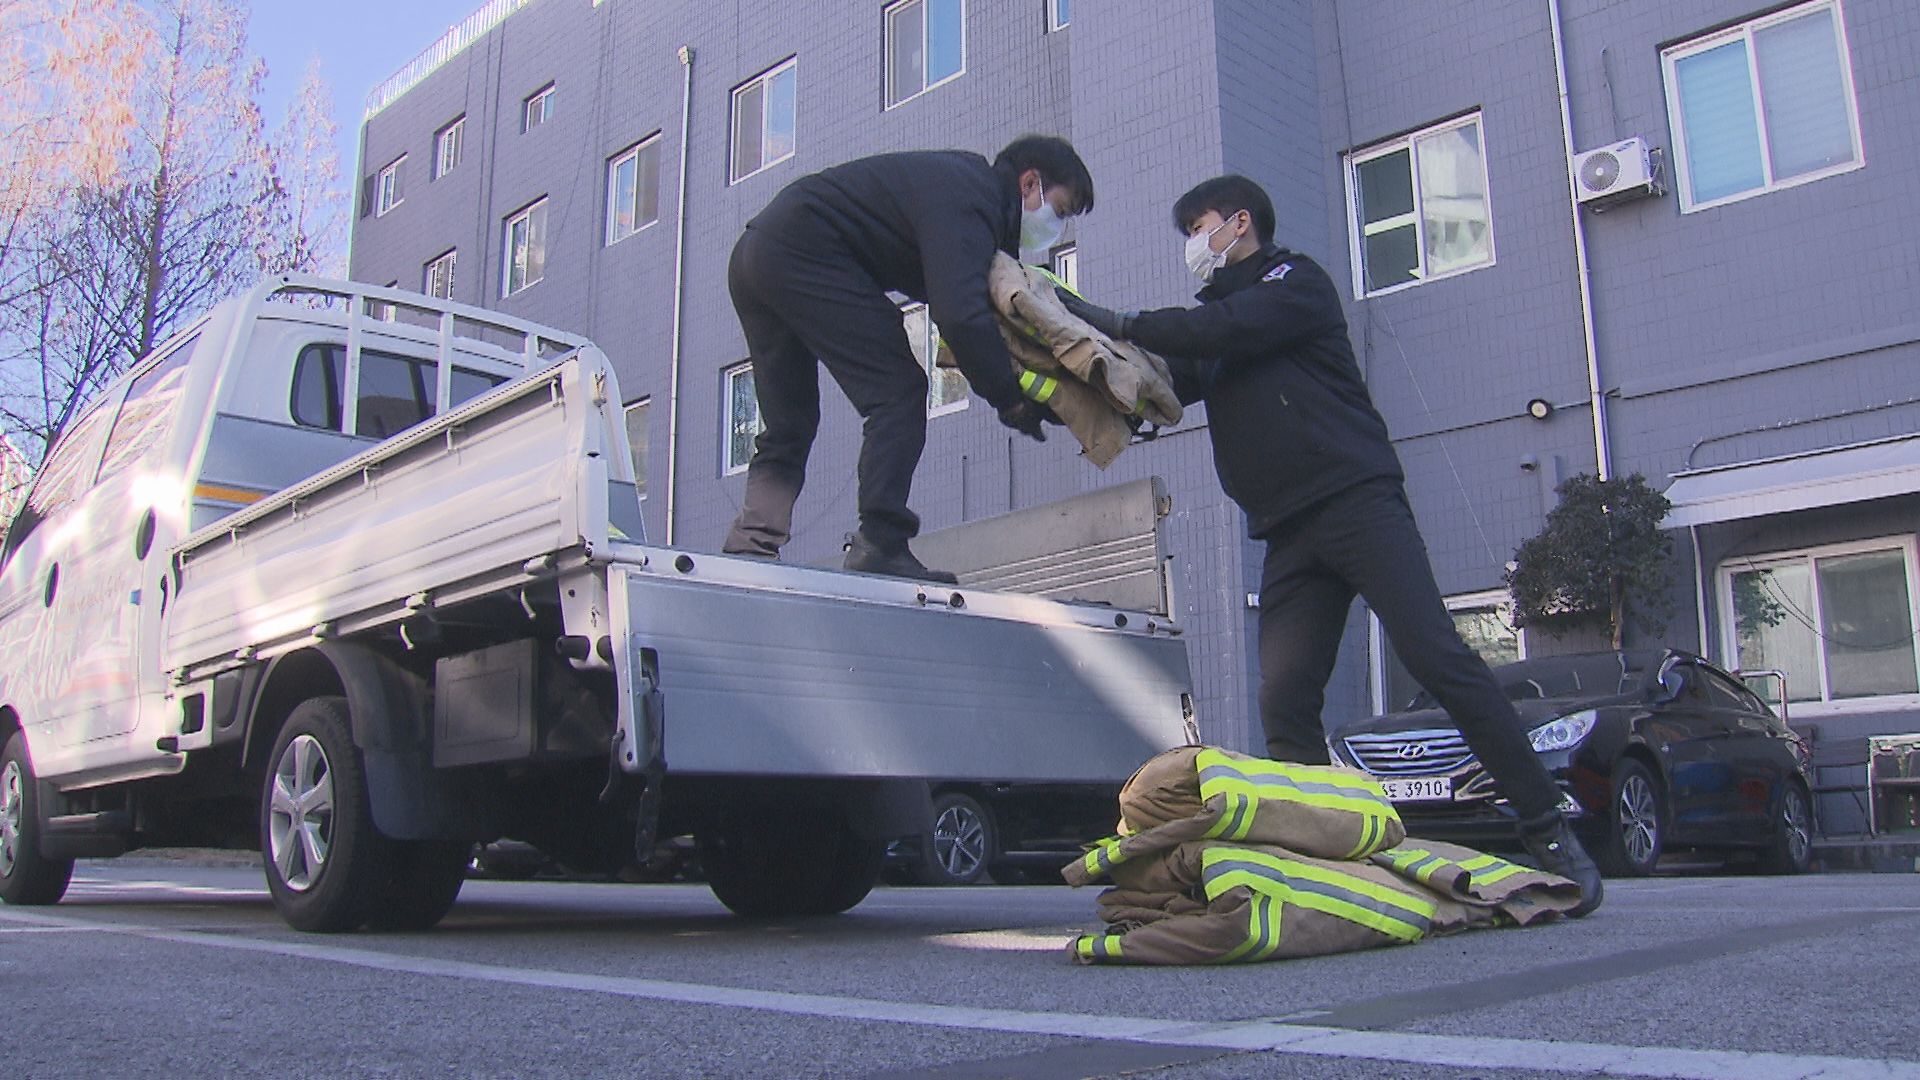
{"x": 1226, "y": 196}
{"x": 1057, "y": 162}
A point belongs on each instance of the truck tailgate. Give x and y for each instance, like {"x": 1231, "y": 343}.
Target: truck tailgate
{"x": 789, "y": 671}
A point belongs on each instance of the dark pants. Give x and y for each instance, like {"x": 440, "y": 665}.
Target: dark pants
{"x": 1364, "y": 541}
{"x": 798, "y": 302}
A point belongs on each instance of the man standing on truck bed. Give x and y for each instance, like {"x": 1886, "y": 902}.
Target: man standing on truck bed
{"x": 809, "y": 278}
{"x": 1300, "y": 447}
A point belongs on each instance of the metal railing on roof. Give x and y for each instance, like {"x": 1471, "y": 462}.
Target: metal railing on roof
{"x": 451, "y": 43}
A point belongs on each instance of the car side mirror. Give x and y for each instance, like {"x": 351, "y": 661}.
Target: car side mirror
{"x": 1668, "y": 688}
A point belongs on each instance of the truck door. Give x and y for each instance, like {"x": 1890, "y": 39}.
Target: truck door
{"x": 134, "y": 509}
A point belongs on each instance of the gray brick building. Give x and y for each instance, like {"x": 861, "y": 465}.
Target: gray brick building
{"x": 1751, "y": 329}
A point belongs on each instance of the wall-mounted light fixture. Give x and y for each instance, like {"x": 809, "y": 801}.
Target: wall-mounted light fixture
{"x": 1539, "y": 408}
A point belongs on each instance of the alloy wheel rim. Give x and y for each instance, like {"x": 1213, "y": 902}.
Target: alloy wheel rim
{"x": 300, "y": 813}
{"x": 1798, "y": 828}
{"x": 12, "y": 811}
{"x": 1639, "y": 820}
{"x": 959, "y": 841}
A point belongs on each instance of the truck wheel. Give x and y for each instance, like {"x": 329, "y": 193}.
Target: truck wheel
{"x": 425, "y": 881}
{"x": 25, "y": 877}
{"x": 326, "y": 864}
{"x": 961, "y": 843}
{"x": 790, "y": 864}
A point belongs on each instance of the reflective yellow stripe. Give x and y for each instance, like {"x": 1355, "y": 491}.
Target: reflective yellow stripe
{"x": 1263, "y": 931}
{"x": 1055, "y": 279}
{"x": 1356, "y": 804}
{"x": 1097, "y": 946}
{"x": 217, "y": 493}
{"x": 1355, "y": 899}
{"x": 1496, "y": 869}
{"x": 1235, "y": 808}
{"x": 1103, "y": 857}
{"x": 1038, "y": 387}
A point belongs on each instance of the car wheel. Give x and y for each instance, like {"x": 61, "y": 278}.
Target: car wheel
{"x": 424, "y": 882}
{"x": 1636, "y": 823}
{"x": 326, "y": 864}
{"x": 962, "y": 842}
{"x": 783, "y": 863}
{"x": 1790, "y": 849}
{"x": 26, "y": 878}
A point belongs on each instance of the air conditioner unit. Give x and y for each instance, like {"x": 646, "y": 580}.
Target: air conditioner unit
{"x": 1613, "y": 174}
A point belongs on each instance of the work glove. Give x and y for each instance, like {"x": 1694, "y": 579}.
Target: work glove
{"x": 1026, "y": 417}
{"x": 1112, "y": 323}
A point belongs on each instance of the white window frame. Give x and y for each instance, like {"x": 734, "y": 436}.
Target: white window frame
{"x": 1671, "y": 57}
{"x": 1356, "y": 231}
{"x": 542, "y": 97}
{"x": 632, "y": 153}
{"x": 1729, "y": 635}
{"x": 1498, "y": 599}
{"x": 454, "y": 135}
{"x": 764, "y": 79}
{"x": 525, "y": 214}
{"x": 926, "y": 50}
{"x": 1065, "y": 264}
{"x": 1055, "y": 22}
{"x": 450, "y": 258}
{"x": 728, "y": 466}
{"x": 387, "y": 192}
{"x": 932, "y": 367}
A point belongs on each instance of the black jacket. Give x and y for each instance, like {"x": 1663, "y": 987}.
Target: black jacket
{"x": 1268, "y": 352}
{"x": 924, "y": 223}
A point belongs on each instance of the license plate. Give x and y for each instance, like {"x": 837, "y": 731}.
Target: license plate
{"x": 1419, "y": 788}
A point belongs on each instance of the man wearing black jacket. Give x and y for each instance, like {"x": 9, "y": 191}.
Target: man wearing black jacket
{"x": 1300, "y": 447}
{"x": 810, "y": 277}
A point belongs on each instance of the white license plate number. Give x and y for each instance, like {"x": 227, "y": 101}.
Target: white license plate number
{"x": 1419, "y": 789}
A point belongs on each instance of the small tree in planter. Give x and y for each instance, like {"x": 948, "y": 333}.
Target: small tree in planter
{"x": 1600, "y": 561}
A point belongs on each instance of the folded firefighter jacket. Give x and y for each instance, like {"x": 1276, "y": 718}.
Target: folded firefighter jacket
{"x": 1100, "y": 388}
{"x": 1275, "y": 861}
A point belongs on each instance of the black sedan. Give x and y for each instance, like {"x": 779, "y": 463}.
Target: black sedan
{"x": 1654, "y": 750}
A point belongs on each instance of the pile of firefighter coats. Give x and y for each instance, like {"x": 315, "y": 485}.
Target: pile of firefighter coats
{"x": 1223, "y": 857}
{"x": 1101, "y": 389}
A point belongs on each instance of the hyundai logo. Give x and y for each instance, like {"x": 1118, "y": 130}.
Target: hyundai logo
{"x": 1413, "y": 751}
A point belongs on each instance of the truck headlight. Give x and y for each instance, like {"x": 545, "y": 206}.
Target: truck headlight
{"x": 1564, "y": 733}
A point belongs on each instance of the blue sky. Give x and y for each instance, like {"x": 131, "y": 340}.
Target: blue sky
{"x": 359, "y": 43}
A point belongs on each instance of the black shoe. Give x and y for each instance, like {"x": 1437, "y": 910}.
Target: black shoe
{"x": 865, "y": 557}
{"x": 1557, "y": 851}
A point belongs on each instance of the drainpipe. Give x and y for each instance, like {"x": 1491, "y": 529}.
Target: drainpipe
{"x": 1596, "y": 398}
{"x": 1702, "y": 596}
{"x": 679, "y": 293}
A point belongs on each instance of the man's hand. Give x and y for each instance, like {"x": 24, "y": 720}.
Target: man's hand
{"x": 1026, "y": 417}
{"x": 1106, "y": 320}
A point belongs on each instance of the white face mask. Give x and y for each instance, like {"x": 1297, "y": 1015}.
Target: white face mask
{"x": 1201, "y": 258}
{"x": 1040, "y": 231}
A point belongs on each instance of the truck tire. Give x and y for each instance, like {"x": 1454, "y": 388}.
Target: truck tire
{"x": 327, "y": 866}
{"x": 786, "y": 864}
{"x": 25, "y": 877}
{"x": 961, "y": 843}
{"x": 425, "y": 881}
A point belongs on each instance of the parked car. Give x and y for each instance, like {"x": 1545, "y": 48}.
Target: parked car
{"x": 1011, "y": 834}
{"x": 1654, "y": 749}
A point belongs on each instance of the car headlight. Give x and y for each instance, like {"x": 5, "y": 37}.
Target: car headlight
{"x": 1564, "y": 733}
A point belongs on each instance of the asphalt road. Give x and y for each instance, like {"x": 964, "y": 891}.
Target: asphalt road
{"x": 159, "y": 969}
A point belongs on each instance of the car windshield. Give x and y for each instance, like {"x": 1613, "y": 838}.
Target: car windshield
{"x": 1579, "y": 675}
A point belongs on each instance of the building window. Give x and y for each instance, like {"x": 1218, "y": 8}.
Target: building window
{"x": 743, "y": 418}
{"x": 526, "y": 248}
{"x": 1057, "y": 14}
{"x": 1418, "y": 207}
{"x": 946, "y": 387}
{"x": 437, "y": 280}
{"x": 1839, "y": 621}
{"x": 1761, "y": 106}
{"x": 637, "y": 414}
{"x": 539, "y": 109}
{"x": 926, "y": 46}
{"x": 763, "y": 121}
{"x": 446, "y": 147}
{"x": 633, "y": 189}
{"x": 1066, "y": 265}
{"x": 388, "y": 193}
{"x": 1485, "y": 623}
